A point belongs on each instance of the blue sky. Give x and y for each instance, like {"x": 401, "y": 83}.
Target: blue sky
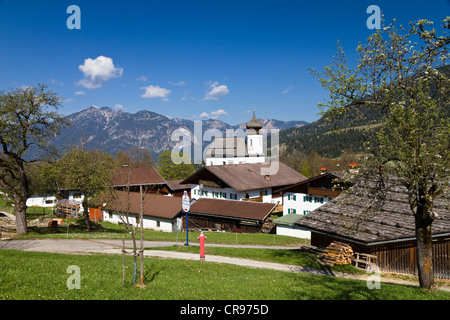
{"x": 189, "y": 59}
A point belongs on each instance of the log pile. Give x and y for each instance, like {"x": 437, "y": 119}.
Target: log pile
{"x": 336, "y": 253}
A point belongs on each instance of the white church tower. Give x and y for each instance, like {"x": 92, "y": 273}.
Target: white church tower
{"x": 254, "y": 138}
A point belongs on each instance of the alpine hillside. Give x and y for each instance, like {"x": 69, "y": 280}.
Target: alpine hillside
{"x": 111, "y": 131}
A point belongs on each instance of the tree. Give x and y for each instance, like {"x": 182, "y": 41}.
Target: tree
{"x": 28, "y": 121}
{"x": 171, "y": 171}
{"x": 400, "y": 75}
{"x": 135, "y": 157}
{"x": 88, "y": 172}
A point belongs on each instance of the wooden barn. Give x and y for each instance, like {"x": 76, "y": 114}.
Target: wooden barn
{"x": 386, "y": 230}
{"x": 229, "y": 215}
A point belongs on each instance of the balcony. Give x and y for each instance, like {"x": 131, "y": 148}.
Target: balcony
{"x": 323, "y": 192}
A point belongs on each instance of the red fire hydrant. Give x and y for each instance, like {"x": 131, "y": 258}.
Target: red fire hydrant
{"x": 202, "y": 238}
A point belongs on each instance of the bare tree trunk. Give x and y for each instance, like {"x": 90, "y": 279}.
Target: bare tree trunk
{"x": 141, "y": 251}
{"x": 424, "y": 247}
{"x": 123, "y": 261}
{"x": 134, "y": 255}
{"x": 86, "y": 214}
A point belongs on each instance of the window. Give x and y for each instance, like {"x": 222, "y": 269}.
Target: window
{"x": 318, "y": 199}
{"x": 158, "y": 223}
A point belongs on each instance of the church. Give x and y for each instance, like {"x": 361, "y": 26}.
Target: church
{"x": 236, "y": 150}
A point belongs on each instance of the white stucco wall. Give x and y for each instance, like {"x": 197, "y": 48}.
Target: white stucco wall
{"x": 154, "y": 223}
{"x": 231, "y": 194}
{"x": 301, "y": 205}
{"x": 293, "y": 232}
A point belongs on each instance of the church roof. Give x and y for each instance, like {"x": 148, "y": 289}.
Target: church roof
{"x": 227, "y": 147}
{"x": 254, "y": 123}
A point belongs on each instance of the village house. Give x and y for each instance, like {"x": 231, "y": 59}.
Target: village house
{"x": 384, "y": 230}
{"x": 135, "y": 178}
{"x": 159, "y": 212}
{"x": 242, "y": 182}
{"x": 65, "y": 202}
{"x": 302, "y": 198}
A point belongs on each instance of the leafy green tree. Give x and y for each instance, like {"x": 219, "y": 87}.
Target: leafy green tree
{"x": 88, "y": 172}
{"x": 400, "y": 75}
{"x": 28, "y": 121}
{"x": 171, "y": 171}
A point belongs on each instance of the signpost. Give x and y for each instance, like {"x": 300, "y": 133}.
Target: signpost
{"x": 186, "y": 205}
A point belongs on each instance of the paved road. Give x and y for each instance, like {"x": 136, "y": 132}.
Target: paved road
{"x": 82, "y": 246}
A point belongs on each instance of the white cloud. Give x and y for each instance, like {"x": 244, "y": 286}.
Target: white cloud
{"x": 80, "y": 93}
{"x": 97, "y": 71}
{"x": 218, "y": 113}
{"x": 286, "y": 90}
{"x": 214, "y": 114}
{"x": 142, "y": 78}
{"x": 177, "y": 83}
{"x": 118, "y": 106}
{"x": 216, "y": 91}
{"x": 60, "y": 83}
{"x": 155, "y": 92}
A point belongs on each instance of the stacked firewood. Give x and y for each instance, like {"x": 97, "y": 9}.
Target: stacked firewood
{"x": 336, "y": 253}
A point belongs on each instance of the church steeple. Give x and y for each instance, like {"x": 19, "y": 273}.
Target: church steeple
{"x": 254, "y": 125}
{"x": 254, "y": 137}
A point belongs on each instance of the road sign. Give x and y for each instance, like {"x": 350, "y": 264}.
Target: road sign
{"x": 186, "y": 205}
{"x": 185, "y": 202}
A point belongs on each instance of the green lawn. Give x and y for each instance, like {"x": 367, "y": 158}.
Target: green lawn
{"x": 296, "y": 257}
{"x": 43, "y": 276}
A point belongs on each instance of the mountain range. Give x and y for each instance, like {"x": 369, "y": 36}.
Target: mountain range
{"x": 111, "y": 131}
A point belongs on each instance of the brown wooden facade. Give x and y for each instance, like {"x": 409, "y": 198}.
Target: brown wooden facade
{"x": 398, "y": 256}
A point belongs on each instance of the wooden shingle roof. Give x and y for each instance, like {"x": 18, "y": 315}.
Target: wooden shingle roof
{"x": 357, "y": 217}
